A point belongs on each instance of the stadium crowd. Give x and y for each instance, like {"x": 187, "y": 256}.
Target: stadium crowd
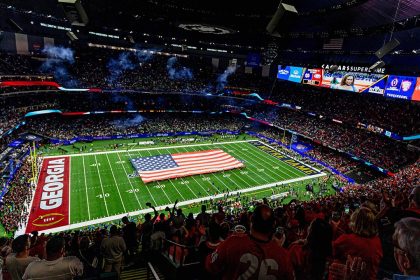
{"x": 362, "y": 232}
{"x": 91, "y": 68}
{"x": 14, "y": 205}
{"x": 398, "y": 116}
{"x": 68, "y": 128}
{"x": 379, "y": 150}
{"x": 346, "y": 215}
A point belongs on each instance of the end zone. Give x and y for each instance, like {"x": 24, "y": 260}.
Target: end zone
{"x": 50, "y": 204}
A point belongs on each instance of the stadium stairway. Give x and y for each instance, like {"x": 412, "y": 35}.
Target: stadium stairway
{"x": 140, "y": 274}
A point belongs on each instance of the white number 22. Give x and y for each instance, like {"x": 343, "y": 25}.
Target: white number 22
{"x": 253, "y": 262}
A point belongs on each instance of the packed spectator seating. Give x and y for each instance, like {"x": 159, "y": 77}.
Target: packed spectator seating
{"x": 398, "y": 116}
{"x": 307, "y": 239}
{"x": 15, "y": 204}
{"x": 91, "y": 69}
{"x": 363, "y": 231}
{"x": 375, "y": 148}
{"x": 67, "y": 128}
{"x": 334, "y": 159}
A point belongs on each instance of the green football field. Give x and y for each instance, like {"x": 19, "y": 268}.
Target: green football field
{"x": 104, "y": 185}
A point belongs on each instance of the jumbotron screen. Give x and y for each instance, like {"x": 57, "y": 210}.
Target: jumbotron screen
{"x": 356, "y": 82}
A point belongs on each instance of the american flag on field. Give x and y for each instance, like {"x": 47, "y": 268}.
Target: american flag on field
{"x": 162, "y": 167}
{"x": 333, "y": 44}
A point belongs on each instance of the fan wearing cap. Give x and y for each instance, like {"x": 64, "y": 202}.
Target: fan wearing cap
{"x": 254, "y": 255}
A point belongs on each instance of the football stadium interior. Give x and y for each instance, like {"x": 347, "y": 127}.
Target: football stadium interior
{"x": 180, "y": 139}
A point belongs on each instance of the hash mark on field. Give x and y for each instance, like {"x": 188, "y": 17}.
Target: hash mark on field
{"x": 100, "y": 181}
{"x": 87, "y": 196}
{"x": 154, "y": 201}
{"x": 115, "y": 180}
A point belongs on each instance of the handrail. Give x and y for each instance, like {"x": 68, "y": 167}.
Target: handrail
{"x": 177, "y": 244}
{"x": 152, "y": 269}
{"x": 177, "y": 258}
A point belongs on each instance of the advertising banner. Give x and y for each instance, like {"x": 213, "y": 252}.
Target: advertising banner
{"x": 283, "y": 72}
{"x": 352, "y": 81}
{"x": 296, "y": 74}
{"x": 401, "y": 87}
{"x": 313, "y": 77}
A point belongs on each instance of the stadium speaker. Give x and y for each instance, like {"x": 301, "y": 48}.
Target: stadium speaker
{"x": 131, "y": 39}
{"x": 72, "y": 36}
{"x": 74, "y": 12}
{"x": 15, "y": 25}
{"x": 387, "y": 48}
{"x": 378, "y": 64}
{"x": 284, "y": 13}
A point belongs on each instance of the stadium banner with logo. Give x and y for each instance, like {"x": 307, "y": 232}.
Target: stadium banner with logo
{"x": 353, "y": 81}
{"x": 313, "y": 77}
{"x": 283, "y": 72}
{"x": 253, "y": 60}
{"x": 301, "y": 147}
{"x": 50, "y": 205}
{"x": 296, "y": 74}
{"x": 16, "y": 143}
{"x": 290, "y": 73}
{"x": 401, "y": 87}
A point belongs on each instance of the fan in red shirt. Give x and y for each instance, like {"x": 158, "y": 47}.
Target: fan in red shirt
{"x": 309, "y": 257}
{"x": 363, "y": 242}
{"x": 252, "y": 256}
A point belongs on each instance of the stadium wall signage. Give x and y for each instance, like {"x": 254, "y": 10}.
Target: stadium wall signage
{"x": 350, "y": 68}
{"x": 50, "y": 207}
{"x": 296, "y": 164}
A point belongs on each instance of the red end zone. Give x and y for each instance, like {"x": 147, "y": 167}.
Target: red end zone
{"x": 50, "y": 207}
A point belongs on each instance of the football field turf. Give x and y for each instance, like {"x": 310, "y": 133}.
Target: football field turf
{"x": 103, "y": 186}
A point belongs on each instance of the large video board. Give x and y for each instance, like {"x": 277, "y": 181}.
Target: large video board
{"x": 401, "y": 87}
{"x": 356, "y": 82}
{"x": 313, "y": 77}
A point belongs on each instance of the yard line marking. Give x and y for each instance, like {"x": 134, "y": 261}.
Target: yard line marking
{"x": 233, "y": 172}
{"x": 186, "y": 150}
{"x": 118, "y": 188}
{"x": 87, "y": 196}
{"x": 129, "y": 156}
{"x": 273, "y": 159}
{"x": 170, "y": 181}
{"x": 182, "y": 203}
{"x": 269, "y": 170}
{"x": 254, "y": 164}
{"x": 100, "y": 181}
{"x": 154, "y": 148}
{"x": 131, "y": 184}
{"x": 311, "y": 167}
{"x": 182, "y": 179}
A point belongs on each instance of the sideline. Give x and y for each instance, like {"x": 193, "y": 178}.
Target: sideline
{"x": 162, "y": 207}
{"x": 149, "y": 149}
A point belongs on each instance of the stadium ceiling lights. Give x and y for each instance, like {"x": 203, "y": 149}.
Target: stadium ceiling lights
{"x": 206, "y": 29}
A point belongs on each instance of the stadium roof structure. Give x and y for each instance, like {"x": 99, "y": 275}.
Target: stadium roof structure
{"x": 236, "y": 20}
